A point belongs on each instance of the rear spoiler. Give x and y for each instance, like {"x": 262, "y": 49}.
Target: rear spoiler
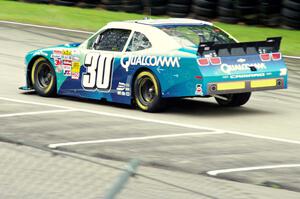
{"x": 238, "y": 49}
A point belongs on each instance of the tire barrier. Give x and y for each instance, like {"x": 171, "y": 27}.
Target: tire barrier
{"x": 291, "y": 14}
{"x": 272, "y": 13}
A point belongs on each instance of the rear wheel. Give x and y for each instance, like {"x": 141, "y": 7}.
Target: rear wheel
{"x": 43, "y": 77}
{"x": 233, "y": 100}
{"x": 147, "y": 92}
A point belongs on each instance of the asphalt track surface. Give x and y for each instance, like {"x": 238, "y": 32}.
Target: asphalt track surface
{"x": 195, "y": 149}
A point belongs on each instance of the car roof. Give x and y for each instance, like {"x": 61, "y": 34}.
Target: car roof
{"x": 167, "y": 22}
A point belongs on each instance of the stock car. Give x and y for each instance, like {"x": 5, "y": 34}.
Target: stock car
{"x": 145, "y": 62}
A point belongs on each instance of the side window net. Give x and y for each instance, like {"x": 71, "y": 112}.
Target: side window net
{"x": 138, "y": 42}
{"x": 111, "y": 40}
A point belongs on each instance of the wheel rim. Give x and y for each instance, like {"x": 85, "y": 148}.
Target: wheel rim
{"x": 44, "y": 75}
{"x": 147, "y": 90}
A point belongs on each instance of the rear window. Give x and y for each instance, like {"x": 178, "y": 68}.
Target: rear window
{"x": 192, "y": 35}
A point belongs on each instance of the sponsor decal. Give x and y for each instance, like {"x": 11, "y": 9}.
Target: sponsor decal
{"x": 198, "y": 89}
{"x": 123, "y": 89}
{"x": 283, "y": 71}
{"x": 67, "y": 72}
{"x": 149, "y": 61}
{"x": 56, "y": 54}
{"x": 58, "y": 64}
{"x": 69, "y": 57}
{"x": 75, "y": 70}
{"x": 75, "y": 75}
{"x": 229, "y": 68}
{"x": 75, "y": 58}
{"x": 67, "y": 62}
{"x": 66, "y": 52}
{"x": 247, "y": 75}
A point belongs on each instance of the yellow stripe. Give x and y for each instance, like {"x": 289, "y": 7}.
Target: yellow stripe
{"x": 230, "y": 86}
{"x": 263, "y": 83}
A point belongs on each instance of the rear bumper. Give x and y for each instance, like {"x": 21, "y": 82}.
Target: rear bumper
{"x": 217, "y": 88}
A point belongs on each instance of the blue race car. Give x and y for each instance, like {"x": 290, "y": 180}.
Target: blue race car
{"x": 149, "y": 61}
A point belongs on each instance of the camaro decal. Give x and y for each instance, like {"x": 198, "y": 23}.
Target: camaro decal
{"x": 149, "y": 61}
{"x": 98, "y": 73}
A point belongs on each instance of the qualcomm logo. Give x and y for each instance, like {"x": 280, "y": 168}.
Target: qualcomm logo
{"x": 149, "y": 61}
{"x": 228, "y": 68}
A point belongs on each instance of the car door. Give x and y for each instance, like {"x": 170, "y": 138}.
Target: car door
{"x": 98, "y": 59}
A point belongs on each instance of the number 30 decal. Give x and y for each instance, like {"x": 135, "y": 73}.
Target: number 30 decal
{"x": 98, "y": 71}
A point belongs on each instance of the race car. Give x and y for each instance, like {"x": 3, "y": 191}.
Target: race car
{"x": 146, "y": 62}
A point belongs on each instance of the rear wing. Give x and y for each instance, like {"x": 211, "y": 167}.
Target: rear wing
{"x": 239, "y": 49}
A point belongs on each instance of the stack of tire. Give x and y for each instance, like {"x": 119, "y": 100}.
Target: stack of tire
{"x": 227, "y": 12}
{"x": 291, "y": 14}
{"x": 205, "y": 9}
{"x": 247, "y": 11}
{"x": 179, "y": 8}
{"x": 113, "y": 5}
{"x": 155, "y": 7}
{"x": 132, "y": 6}
{"x": 269, "y": 12}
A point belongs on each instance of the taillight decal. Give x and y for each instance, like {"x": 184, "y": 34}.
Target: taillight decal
{"x": 265, "y": 57}
{"x": 203, "y": 61}
{"x": 215, "y": 60}
{"x": 276, "y": 56}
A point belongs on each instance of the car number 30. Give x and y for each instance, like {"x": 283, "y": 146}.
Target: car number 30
{"x": 98, "y": 71}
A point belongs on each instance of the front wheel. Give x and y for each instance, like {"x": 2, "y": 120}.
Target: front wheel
{"x": 43, "y": 77}
{"x": 147, "y": 92}
{"x": 233, "y": 100}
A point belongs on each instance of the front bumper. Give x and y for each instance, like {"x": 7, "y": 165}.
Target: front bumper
{"x": 217, "y": 88}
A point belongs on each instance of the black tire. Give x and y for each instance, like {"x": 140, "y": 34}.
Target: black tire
{"x": 291, "y": 4}
{"x": 226, "y": 3}
{"x": 290, "y": 23}
{"x": 133, "y": 8}
{"x": 86, "y": 5}
{"x": 226, "y": 12}
{"x": 64, "y": 3}
{"x": 131, "y": 2}
{"x": 234, "y": 100}
{"x": 155, "y": 2}
{"x": 158, "y": 10}
{"x": 290, "y": 13}
{"x": 272, "y": 21}
{"x": 177, "y": 14}
{"x": 147, "y": 92}
{"x": 112, "y": 7}
{"x": 231, "y": 20}
{"x": 178, "y": 8}
{"x": 43, "y": 78}
{"x": 111, "y": 2}
{"x": 205, "y": 3}
{"x": 38, "y": 1}
{"x": 183, "y": 2}
{"x": 204, "y": 11}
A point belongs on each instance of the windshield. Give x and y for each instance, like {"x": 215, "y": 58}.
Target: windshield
{"x": 192, "y": 35}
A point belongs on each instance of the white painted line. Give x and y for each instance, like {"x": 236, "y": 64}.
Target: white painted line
{"x": 46, "y": 27}
{"x": 216, "y": 172}
{"x": 34, "y": 113}
{"x": 157, "y": 121}
{"x": 33, "y": 103}
{"x": 53, "y": 146}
